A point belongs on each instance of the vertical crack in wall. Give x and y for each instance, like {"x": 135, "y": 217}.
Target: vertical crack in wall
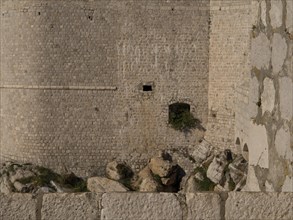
{"x": 39, "y": 200}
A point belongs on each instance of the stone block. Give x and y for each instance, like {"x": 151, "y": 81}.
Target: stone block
{"x": 66, "y": 206}
{"x": 268, "y": 206}
{"x": 279, "y": 52}
{"x": 258, "y": 145}
{"x": 142, "y": 206}
{"x": 276, "y": 13}
{"x": 18, "y": 206}
{"x": 260, "y": 51}
{"x": 286, "y": 98}
{"x": 203, "y": 206}
{"x": 282, "y": 143}
{"x": 268, "y": 96}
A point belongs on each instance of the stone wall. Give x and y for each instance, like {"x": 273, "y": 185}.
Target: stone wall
{"x": 229, "y": 59}
{"x": 156, "y": 206}
{"x": 268, "y": 128}
{"x": 72, "y": 74}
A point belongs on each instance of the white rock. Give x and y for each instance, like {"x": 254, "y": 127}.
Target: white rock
{"x": 282, "y": 143}
{"x": 279, "y": 52}
{"x": 288, "y": 184}
{"x": 260, "y": 52}
{"x": 5, "y": 185}
{"x": 276, "y": 13}
{"x": 263, "y": 12}
{"x": 216, "y": 168}
{"x": 202, "y": 151}
{"x": 101, "y": 184}
{"x": 268, "y": 96}
{"x": 286, "y": 98}
{"x": 258, "y": 146}
{"x": 252, "y": 181}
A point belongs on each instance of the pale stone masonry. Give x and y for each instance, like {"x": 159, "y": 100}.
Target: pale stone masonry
{"x": 74, "y": 74}
{"x": 145, "y": 206}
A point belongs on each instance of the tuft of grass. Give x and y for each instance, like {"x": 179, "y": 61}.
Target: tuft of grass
{"x": 183, "y": 121}
{"x": 206, "y": 184}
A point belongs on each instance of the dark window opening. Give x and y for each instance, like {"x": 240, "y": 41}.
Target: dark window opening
{"x": 245, "y": 148}
{"x": 147, "y": 88}
{"x": 238, "y": 141}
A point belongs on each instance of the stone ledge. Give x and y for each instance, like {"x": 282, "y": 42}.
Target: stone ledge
{"x": 155, "y": 206}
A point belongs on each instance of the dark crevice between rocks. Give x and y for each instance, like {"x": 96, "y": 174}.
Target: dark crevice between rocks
{"x": 39, "y": 199}
{"x": 182, "y": 201}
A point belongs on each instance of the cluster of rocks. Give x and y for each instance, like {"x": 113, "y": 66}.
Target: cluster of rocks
{"x": 160, "y": 175}
{"x": 29, "y": 178}
{"x": 216, "y": 170}
{"x": 212, "y": 170}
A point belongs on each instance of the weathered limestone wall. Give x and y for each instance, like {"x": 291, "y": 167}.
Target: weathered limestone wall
{"x": 269, "y": 127}
{"x": 164, "y": 44}
{"x": 72, "y": 74}
{"x": 210, "y": 206}
{"x": 58, "y": 82}
{"x": 229, "y": 59}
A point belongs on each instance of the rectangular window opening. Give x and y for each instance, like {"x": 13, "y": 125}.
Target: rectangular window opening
{"x": 147, "y": 88}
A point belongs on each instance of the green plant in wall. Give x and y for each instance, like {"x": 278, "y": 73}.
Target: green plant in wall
{"x": 181, "y": 118}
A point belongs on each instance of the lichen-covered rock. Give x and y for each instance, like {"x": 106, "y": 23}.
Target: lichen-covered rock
{"x": 118, "y": 171}
{"x": 102, "y": 184}
{"x": 21, "y": 174}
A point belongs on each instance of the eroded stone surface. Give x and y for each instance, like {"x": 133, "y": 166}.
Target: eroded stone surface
{"x": 268, "y": 96}
{"x": 258, "y": 145}
{"x": 279, "y": 52}
{"x": 276, "y": 13}
{"x": 18, "y": 206}
{"x": 286, "y": 98}
{"x": 263, "y": 12}
{"x": 251, "y": 182}
{"x": 66, "y": 206}
{"x": 288, "y": 184}
{"x": 203, "y": 206}
{"x": 142, "y": 206}
{"x": 282, "y": 143}
{"x": 289, "y": 18}
{"x": 260, "y": 51}
{"x": 268, "y": 206}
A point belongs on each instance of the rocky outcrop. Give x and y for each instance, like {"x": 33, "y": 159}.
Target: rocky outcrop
{"x": 29, "y": 178}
